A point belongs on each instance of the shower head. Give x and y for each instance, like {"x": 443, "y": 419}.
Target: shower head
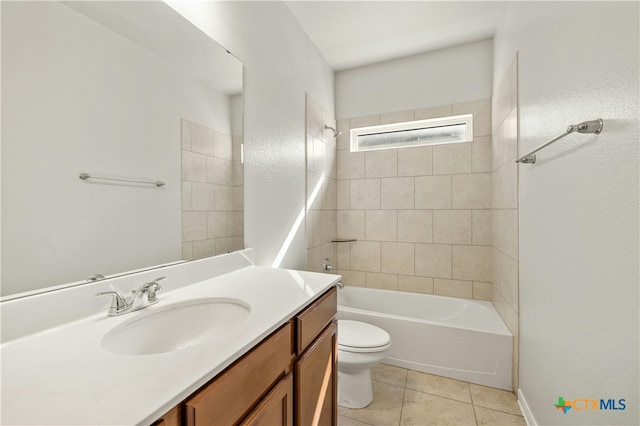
{"x": 335, "y": 132}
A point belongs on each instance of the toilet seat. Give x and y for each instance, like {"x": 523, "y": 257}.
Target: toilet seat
{"x": 360, "y": 337}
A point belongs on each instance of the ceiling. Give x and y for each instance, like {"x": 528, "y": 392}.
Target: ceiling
{"x": 355, "y": 33}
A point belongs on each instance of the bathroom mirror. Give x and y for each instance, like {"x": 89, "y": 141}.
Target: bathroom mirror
{"x": 117, "y": 90}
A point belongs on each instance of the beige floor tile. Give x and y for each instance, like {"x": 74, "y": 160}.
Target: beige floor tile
{"x": 495, "y": 399}
{"x": 488, "y": 417}
{"x": 385, "y": 409}
{"x": 422, "y": 409}
{"x": 441, "y": 386}
{"x": 346, "y": 421}
{"x": 389, "y": 374}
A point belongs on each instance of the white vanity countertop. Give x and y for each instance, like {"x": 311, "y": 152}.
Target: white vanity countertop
{"x": 64, "y": 376}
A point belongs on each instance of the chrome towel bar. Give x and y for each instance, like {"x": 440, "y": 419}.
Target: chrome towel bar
{"x": 593, "y": 126}
{"x": 85, "y": 176}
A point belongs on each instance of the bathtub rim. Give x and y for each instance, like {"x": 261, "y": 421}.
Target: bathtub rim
{"x": 505, "y": 330}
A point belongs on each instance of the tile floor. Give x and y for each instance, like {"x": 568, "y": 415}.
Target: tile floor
{"x": 406, "y": 397}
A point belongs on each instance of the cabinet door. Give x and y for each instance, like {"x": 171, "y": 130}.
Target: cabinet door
{"x": 276, "y": 409}
{"x": 316, "y": 381}
{"x": 171, "y": 418}
{"x": 232, "y": 395}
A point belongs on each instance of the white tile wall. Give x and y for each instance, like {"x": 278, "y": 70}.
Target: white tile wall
{"x": 202, "y": 196}
{"x": 204, "y": 248}
{"x": 194, "y": 226}
{"x": 453, "y": 288}
{"x": 223, "y": 197}
{"x": 415, "y": 226}
{"x": 452, "y": 159}
{"x": 201, "y": 139}
{"x": 212, "y": 192}
{"x": 194, "y": 167}
{"x": 433, "y": 192}
{"x": 365, "y": 194}
{"x": 452, "y": 226}
{"x": 186, "y": 195}
{"x": 504, "y": 196}
{"x": 383, "y": 281}
{"x": 350, "y": 165}
{"x": 397, "y": 193}
{"x": 381, "y": 225}
{"x": 482, "y": 291}
{"x": 321, "y": 219}
{"x": 351, "y": 224}
{"x": 471, "y": 263}
{"x": 365, "y": 256}
{"x": 369, "y": 120}
{"x": 481, "y": 227}
{"x": 343, "y": 195}
{"x": 481, "y": 154}
{"x": 419, "y": 214}
{"x": 415, "y": 284}
{"x": 481, "y": 110}
{"x": 381, "y": 163}
{"x": 471, "y": 191}
{"x": 415, "y": 161}
{"x": 217, "y": 224}
{"x": 398, "y": 258}
{"x": 433, "y": 260}
{"x": 222, "y": 146}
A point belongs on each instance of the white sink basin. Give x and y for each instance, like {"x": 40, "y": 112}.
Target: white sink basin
{"x": 177, "y": 326}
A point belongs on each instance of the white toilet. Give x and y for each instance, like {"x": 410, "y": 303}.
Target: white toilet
{"x": 361, "y": 347}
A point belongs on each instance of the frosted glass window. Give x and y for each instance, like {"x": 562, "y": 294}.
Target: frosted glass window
{"x": 435, "y": 131}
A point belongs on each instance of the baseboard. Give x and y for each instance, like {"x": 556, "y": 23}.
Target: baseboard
{"x": 526, "y": 412}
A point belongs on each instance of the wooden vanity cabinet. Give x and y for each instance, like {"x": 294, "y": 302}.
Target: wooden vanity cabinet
{"x": 276, "y": 409}
{"x": 315, "y": 370}
{"x": 170, "y": 418}
{"x": 231, "y": 396}
{"x": 316, "y": 381}
{"x": 288, "y": 379}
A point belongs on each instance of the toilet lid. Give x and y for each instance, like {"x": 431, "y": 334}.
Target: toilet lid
{"x": 356, "y": 334}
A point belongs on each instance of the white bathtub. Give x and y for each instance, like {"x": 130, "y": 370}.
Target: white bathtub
{"x": 458, "y": 338}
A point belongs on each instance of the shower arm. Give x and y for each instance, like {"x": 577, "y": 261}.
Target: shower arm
{"x": 335, "y": 132}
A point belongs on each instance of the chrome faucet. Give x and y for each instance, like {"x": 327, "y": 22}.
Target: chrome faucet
{"x": 140, "y": 298}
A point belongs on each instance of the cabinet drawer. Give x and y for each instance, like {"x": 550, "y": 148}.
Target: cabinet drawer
{"x": 228, "y": 399}
{"x": 314, "y": 319}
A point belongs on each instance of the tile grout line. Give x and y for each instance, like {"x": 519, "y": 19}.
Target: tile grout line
{"x": 404, "y": 392}
{"x": 475, "y": 416}
{"x": 440, "y": 396}
{"x": 473, "y": 406}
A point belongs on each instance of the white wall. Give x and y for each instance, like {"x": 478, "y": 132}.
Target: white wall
{"x": 579, "y": 216}
{"x": 77, "y": 97}
{"x": 281, "y": 64}
{"x": 447, "y": 76}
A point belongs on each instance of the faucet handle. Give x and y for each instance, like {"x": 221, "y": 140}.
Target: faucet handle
{"x": 327, "y": 267}
{"x": 118, "y": 303}
{"x": 154, "y": 282}
{"x": 151, "y": 288}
